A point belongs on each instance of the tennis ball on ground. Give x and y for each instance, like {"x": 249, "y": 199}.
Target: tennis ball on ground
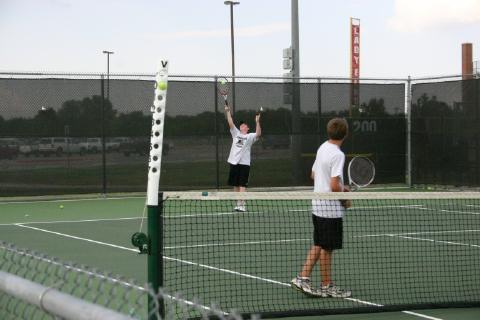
{"x": 61, "y": 206}
{"x": 162, "y": 85}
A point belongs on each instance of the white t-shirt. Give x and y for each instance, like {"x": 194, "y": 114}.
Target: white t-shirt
{"x": 328, "y": 164}
{"x": 241, "y": 146}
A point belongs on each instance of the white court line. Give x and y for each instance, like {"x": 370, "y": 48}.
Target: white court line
{"x": 76, "y": 238}
{"x": 69, "y": 200}
{"x": 448, "y": 211}
{"x": 421, "y": 315}
{"x": 237, "y": 243}
{"x": 212, "y": 268}
{"x": 128, "y": 218}
{"x": 210, "y": 214}
{"x": 439, "y": 241}
{"x": 68, "y": 221}
{"x": 414, "y": 233}
{"x": 412, "y": 206}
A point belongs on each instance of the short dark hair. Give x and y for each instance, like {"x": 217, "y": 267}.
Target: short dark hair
{"x": 337, "y": 128}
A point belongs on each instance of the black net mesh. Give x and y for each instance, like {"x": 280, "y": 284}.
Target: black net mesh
{"x": 445, "y": 133}
{"x": 400, "y": 251}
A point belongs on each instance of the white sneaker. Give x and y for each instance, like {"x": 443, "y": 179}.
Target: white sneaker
{"x": 304, "y": 285}
{"x": 335, "y": 292}
{"x": 241, "y": 209}
{"x": 235, "y": 209}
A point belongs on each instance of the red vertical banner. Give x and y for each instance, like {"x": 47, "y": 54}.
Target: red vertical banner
{"x": 354, "y": 63}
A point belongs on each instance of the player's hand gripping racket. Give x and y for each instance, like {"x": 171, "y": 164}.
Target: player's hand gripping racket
{"x": 361, "y": 172}
{"x": 223, "y": 88}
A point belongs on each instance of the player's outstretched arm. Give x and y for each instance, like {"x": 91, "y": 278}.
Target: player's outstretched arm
{"x": 258, "y": 129}
{"x": 229, "y": 117}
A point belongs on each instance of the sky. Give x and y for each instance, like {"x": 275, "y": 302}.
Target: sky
{"x": 398, "y": 37}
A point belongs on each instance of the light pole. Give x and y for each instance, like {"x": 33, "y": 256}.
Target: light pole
{"x": 108, "y": 53}
{"x": 232, "y": 44}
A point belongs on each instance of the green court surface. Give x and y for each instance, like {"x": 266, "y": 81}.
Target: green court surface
{"x": 245, "y": 261}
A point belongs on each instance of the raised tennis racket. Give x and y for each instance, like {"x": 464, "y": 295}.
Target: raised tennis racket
{"x": 361, "y": 172}
{"x": 259, "y": 111}
{"x": 223, "y": 88}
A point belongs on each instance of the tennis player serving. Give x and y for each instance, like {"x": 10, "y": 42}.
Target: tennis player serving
{"x": 327, "y": 215}
{"x": 239, "y": 158}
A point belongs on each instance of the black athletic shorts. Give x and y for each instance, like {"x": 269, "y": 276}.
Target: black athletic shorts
{"x": 238, "y": 176}
{"x": 328, "y": 232}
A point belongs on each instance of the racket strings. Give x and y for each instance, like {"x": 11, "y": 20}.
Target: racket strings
{"x": 361, "y": 171}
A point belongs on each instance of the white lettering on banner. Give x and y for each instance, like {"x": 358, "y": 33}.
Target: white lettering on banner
{"x": 365, "y": 126}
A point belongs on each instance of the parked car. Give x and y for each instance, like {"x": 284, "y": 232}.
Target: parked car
{"x": 7, "y": 151}
{"x": 140, "y": 146}
{"x": 29, "y": 147}
{"x": 59, "y": 146}
{"x": 91, "y": 145}
{"x": 113, "y": 144}
{"x": 275, "y": 142}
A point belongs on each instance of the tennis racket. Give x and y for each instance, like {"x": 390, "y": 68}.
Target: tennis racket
{"x": 361, "y": 172}
{"x": 223, "y": 87}
{"x": 259, "y": 111}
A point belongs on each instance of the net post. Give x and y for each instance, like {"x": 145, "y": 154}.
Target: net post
{"x": 155, "y": 259}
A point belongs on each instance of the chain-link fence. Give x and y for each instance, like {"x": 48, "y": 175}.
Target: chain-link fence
{"x": 36, "y": 286}
{"x": 58, "y": 135}
{"x": 446, "y": 132}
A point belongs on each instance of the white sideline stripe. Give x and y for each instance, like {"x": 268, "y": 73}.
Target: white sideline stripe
{"x": 439, "y": 241}
{"x": 210, "y": 214}
{"x": 76, "y": 238}
{"x": 413, "y": 233}
{"x": 448, "y": 211}
{"x": 68, "y": 221}
{"x": 208, "y": 267}
{"x": 236, "y": 243}
{"x": 421, "y": 315}
{"x": 128, "y": 218}
{"x": 412, "y": 206}
{"x": 69, "y": 200}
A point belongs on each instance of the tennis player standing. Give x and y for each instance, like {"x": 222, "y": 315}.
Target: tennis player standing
{"x": 239, "y": 158}
{"x": 327, "y": 173}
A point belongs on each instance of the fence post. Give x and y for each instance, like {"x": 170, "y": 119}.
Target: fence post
{"x": 319, "y": 107}
{"x": 104, "y": 161}
{"x": 217, "y": 161}
{"x": 408, "y": 110}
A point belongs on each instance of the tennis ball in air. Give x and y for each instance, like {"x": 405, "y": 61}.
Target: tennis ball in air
{"x": 162, "y": 85}
{"x": 223, "y": 82}
{"x": 61, "y": 206}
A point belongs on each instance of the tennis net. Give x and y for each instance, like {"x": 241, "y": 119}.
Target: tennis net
{"x": 400, "y": 250}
